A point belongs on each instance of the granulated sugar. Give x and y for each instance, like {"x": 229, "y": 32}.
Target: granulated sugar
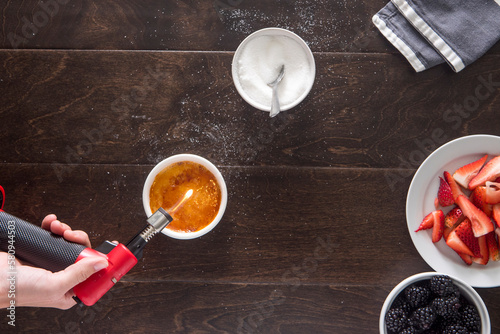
{"x": 259, "y": 64}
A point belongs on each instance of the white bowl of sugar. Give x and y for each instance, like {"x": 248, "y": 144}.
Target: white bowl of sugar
{"x": 257, "y": 62}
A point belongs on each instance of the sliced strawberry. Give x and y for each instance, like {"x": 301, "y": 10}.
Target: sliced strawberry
{"x": 496, "y": 214}
{"x": 434, "y": 220}
{"x": 481, "y": 223}
{"x": 455, "y": 188}
{"x": 438, "y": 229}
{"x": 455, "y": 243}
{"x": 489, "y": 172}
{"x": 453, "y": 217}
{"x": 464, "y": 174}
{"x": 451, "y": 220}
{"x": 467, "y": 258}
{"x": 445, "y": 197}
{"x": 485, "y": 255}
{"x": 491, "y": 241}
{"x": 479, "y": 199}
{"x": 492, "y": 192}
{"x": 447, "y": 231}
{"x": 465, "y": 233}
{"x": 427, "y": 223}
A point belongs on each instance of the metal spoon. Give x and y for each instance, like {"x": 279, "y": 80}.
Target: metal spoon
{"x": 275, "y": 104}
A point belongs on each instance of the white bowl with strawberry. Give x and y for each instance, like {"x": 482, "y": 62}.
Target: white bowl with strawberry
{"x": 453, "y": 209}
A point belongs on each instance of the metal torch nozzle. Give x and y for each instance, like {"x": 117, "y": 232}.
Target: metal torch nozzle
{"x": 156, "y": 223}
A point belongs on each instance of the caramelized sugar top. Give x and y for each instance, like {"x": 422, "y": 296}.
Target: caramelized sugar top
{"x": 170, "y": 186}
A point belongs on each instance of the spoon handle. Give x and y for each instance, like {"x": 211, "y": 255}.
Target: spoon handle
{"x": 275, "y": 104}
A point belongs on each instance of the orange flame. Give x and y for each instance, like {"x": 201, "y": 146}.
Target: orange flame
{"x": 176, "y": 207}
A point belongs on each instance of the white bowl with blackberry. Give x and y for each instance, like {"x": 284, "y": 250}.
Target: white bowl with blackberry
{"x": 435, "y": 303}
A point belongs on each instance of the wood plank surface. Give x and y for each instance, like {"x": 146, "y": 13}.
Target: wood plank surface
{"x": 211, "y": 25}
{"x": 177, "y": 307}
{"x": 203, "y": 25}
{"x": 235, "y": 308}
{"x": 364, "y": 110}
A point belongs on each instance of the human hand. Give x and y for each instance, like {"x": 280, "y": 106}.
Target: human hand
{"x": 41, "y": 288}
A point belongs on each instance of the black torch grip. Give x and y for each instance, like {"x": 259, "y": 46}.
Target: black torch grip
{"x": 35, "y": 245}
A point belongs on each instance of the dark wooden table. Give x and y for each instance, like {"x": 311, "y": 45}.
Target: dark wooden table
{"x": 94, "y": 94}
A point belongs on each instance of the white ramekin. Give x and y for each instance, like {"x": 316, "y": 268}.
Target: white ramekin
{"x": 179, "y": 158}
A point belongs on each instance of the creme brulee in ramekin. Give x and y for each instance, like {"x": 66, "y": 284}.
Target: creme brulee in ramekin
{"x": 169, "y": 182}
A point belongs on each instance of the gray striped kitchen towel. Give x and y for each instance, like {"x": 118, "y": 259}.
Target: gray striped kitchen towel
{"x": 430, "y": 32}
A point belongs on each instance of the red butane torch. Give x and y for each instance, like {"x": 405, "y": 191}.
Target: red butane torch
{"x": 46, "y": 250}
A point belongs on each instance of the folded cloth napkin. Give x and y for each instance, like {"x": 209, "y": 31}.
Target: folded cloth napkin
{"x": 430, "y": 32}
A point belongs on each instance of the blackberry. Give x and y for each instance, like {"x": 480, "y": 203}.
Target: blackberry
{"x": 409, "y": 330}
{"x": 401, "y": 302}
{"x": 454, "y": 319}
{"x": 446, "y": 307}
{"x": 417, "y": 296}
{"x": 455, "y": 329}
{"x": 470, "y": 318}
{"x": 443, "y": 286}
{"x": 396, "y": 319}
{"x": 423, "y": 318}
{"x": 431, "y": 331}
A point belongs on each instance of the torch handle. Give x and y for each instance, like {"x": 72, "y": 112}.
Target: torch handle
{"x": 35, "y": 245}
{"x": 46, "y": 250}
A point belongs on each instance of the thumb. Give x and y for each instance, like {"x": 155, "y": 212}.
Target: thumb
{"x": 80, "y": 271}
